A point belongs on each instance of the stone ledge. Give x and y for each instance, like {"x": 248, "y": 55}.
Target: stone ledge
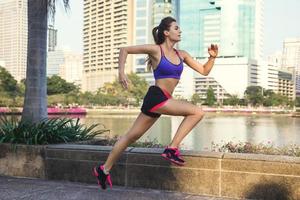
{"x": 206, "y": 173}
{"x": 83, "y": 147}
{"x": 207, "y": 154}
{"x": 262, "y": 157}
{"x": 250, "y": 176}
{"x": 22, "y": 160}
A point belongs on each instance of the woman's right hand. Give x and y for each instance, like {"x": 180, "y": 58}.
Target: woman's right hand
{"x": 123, "y": 80}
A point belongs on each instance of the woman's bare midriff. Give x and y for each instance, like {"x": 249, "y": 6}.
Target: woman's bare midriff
{"x": 167, "y": 84}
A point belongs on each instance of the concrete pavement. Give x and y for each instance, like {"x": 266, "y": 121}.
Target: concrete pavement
{"x": 12, "y": 188}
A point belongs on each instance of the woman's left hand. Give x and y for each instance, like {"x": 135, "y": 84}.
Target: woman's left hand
{"x": 213, "y": 50}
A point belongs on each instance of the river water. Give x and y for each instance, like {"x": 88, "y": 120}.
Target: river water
{"x": 218, "y": 128}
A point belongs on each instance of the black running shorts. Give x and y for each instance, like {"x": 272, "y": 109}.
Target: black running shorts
{"x": 154, "y": 99}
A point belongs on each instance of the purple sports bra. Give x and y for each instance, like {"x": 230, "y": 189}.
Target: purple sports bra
{"x": 166, "y": 69}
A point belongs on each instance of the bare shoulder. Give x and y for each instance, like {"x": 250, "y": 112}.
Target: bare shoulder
{"x": 150, "y": 49}
{"x": 183, "y": 54}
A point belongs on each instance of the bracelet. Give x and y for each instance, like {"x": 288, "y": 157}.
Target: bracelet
{"x": 212, "y": 57}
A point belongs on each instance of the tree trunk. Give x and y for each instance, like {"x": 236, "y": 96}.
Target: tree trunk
{"x": 35, "y": 101}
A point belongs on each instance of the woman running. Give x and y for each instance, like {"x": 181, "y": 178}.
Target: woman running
{"x": 167, "y": 65}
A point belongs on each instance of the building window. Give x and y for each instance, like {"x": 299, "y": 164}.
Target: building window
{"x": 140, "y": 13}
{"x": 140, "y": 22}
{"x": 140, "y": 61}
{"x": 140, "y": 41}
{"x": 141, "y": 3}
{"x": 140, "y": 70}
{"x": 140, "y": 32}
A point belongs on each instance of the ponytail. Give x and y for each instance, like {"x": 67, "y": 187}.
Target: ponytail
{"x": 158, "y": 35}
{"x": 154, "y": 33}
{"x": 156, "y": 40}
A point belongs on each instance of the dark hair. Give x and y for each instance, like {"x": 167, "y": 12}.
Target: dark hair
{"x": 158, "y": 31}
{"x": 158, "y": 34}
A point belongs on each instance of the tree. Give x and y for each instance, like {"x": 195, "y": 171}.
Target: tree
{"x": 211, "y": 99}
{"x": 280, "y": 100}
{"x": 253, "y": 95}
{"x": 86, "y": 98}
{"x": 196, "y": 98}
{"x": 8, "y": 84}
{"x": 138, "y": 87}
{"x": 273, "y": 99}
{"x": 135, "y": 93}
{"x": 57, "y": 85}
{"x": 35, "y": 101}
{"x": 21, "y": 87}
{"x": 233, "y": 100}
{"x": 268, "y": 93}
{"x": 269, "y": 98}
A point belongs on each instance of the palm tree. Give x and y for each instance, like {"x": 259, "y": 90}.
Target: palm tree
{"x": 35, "y": 101}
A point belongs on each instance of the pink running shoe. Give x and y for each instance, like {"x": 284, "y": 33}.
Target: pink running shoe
{"x": 102, "y": 178}
{"x": 173, "y": 155}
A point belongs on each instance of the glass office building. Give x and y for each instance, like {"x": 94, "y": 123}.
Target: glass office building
{"x": 148, "y": 14}
{"x": 235, "y": 25}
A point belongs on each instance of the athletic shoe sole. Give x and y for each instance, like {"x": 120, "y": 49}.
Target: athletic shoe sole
{"x": 172, "y": 161}
{"x": 95, "y": 173}
{"x": 108, "y": 180}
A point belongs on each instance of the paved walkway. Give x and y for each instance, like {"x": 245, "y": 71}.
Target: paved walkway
{"x": 24, "y": 188}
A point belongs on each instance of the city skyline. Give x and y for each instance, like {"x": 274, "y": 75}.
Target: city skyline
{"x": 280, "y": 23}
{"x": 13, "y": 37}
{"x": 235, "y": 25}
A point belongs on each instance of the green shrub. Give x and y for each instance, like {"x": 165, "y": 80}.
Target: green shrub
{"x": 110, "y": 141}
{"x": 49, "y": 131}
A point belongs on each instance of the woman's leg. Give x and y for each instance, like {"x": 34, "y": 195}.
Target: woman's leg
{"x": 193, "y": 114}
{"x": 139, "y": 127}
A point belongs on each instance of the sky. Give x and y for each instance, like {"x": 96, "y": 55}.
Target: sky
{"x": 69, "y": 25}
{"x": 281, "y": 21}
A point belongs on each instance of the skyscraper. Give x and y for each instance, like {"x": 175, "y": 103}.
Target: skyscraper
{"x": 143, "y": 25}
{"x": 291, "y": 59}
{"x": 148, "y": 14}
{"x": 200, "y": 21}
{"x": 108, "y": 25}
{"x": 163, "y": 8}
{"x": 52, "y": 38}
{"x": 13, "y": 36}
{"x": 235, "y": 25}
{"x": 54, "y": 61}
{"x": 71, "y": 69}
